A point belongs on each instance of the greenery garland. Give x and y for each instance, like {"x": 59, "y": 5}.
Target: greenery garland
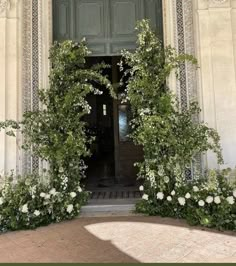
{"x": 171, "y": 138}
{"x": 55, "y": 133}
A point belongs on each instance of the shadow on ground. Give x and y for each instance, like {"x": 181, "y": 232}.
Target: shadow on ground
{"x": 119, "y": 239}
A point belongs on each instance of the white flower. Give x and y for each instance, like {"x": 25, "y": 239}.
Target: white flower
{"x": 201, "y": 203}
{"x": 160, "y": 195}
{"x": 181, "y": 201}
{"x": 42, "y": 195}
{"x": 230, "y": 200}
{"x": 53, "y": 191}
{"x": 24, "y": 208}
{"x": 79, "y": 189}
{"x": 141, "y": 188}
{"x": 47, "y": 196}
{"x": 172, "y": 193}
{"x": 217, "y": 200}
{"x": 234, "y": 193}
{"x": 36, "y": 213}
{"x": 1, "y": 201}
{"x": 209, "y": 199}
{"x": 73, "y": 195}
{"x": 166, "y": 179}
{"x": 195, "y": 189}
{"x": 187, "y": 196}
{"x": 145, "y": 197}
{"x": 70, "y": 208}
{"x": 169, "y": 198}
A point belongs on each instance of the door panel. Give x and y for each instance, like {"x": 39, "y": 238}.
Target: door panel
{"x": 107, "y": 25}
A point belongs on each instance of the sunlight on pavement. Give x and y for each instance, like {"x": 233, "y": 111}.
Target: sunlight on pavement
{"x": 149, "y": 242}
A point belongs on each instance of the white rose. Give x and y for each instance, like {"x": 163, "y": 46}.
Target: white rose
{"x": 195, "y": 189}
{"x": 141, "y": 188}
{"x": 209, "y": 199}
{"x": 230, "y": 200}
{"x": 73, "y": 195}
{"x": 42, "y": 195}
{"x": 53, "y": 191}
{"x": 70, "y": 208}
{"x": 1, "y": 201}
{"x": 181, "y": 201}
{"x": 47, "y": 196}
{"x": 79, "y": 189}
{"x": 145, "y": 197}
{"x": 234, "y": 193}
{"x": 160, "y": 195}
{"x": 187, "y": 196}
{"x": 201, "y": 203}
{"x": 24, "y": 208}
{"x": 172, "y": 193}
{"x": 217, "y": 200}
{"x": 36, "y": 213}
{"x": 169, "y": 198}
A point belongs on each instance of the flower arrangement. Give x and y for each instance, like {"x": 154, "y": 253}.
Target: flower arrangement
{"x": 29, "y": 202}
{"x": 172, "y": 136}
{"x": 198, "y": 202}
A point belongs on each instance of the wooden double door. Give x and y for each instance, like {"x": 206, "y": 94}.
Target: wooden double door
{"x": 114, "y": 153}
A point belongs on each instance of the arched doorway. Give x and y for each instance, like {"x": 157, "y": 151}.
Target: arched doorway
{"x": 109, "y": 27}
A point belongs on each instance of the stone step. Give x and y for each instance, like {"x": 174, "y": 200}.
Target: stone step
{"x": 118, "y": 207}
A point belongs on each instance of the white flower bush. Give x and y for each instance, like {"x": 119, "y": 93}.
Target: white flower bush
{"x": 211, "y": 203}
{"x": 29, "y": 203}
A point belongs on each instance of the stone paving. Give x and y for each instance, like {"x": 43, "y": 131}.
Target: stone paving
{"x": 119, "y": 239}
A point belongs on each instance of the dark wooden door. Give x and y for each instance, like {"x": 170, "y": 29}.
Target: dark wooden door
{"x": 126, "y": 153}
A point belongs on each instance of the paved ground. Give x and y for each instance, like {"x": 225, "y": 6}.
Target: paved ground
{"x": 118, "y": 239}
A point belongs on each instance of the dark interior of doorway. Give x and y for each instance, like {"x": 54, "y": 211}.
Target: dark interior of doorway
{"x": 101, "y": 123}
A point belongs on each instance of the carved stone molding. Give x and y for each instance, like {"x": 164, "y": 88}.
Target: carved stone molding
{"x": 4, "y": 5}
{"x": 218, "y": 1}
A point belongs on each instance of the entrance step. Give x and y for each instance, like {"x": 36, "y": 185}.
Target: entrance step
{"x": 101, "y": 208}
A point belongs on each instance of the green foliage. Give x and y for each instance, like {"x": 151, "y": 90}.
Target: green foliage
{"x": 29, "y": 202}
{"x": 56, "y": 133}
{"x": 171, "y": 138}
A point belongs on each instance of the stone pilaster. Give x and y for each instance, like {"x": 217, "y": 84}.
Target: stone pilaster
{"x": 9, "y": 81}
{"x": 214, "y": 27}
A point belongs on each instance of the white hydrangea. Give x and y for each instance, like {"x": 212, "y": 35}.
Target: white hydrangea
{"x": 169, "y": 198}
{"x": 145, "y": 197}
{"x": 141, "y": 188}
{"x": 217, "y": 200}
{"x": 230, "y": 200}
{"x": 53, "y": 192}
{"x": 234, "y": 193}
{"x": 73, "y": 195}
{"x": 79, "y": 189}
{"x": 47, "y": 196}
{"x": 160, "y": 195}
{"x": 187, "y": 196}
{"x": 70, "y": 208}
{"x": 1, "y": 200}
{"x": 195, "y": 189}
{"x": 24, "y": 208}
{"x": 36, "y": 212}
{"x": 42, "y": 195}
{"x": 201, "y": 203}
{"x": 209, "y": 199}
{"x": 172, "y": 193}
{"x": 181, "y": 201}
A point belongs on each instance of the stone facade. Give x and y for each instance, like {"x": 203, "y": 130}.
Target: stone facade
{"x": 206, "y": 28}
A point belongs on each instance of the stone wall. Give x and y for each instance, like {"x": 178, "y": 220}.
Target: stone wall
{"x": 215, "y": 42}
